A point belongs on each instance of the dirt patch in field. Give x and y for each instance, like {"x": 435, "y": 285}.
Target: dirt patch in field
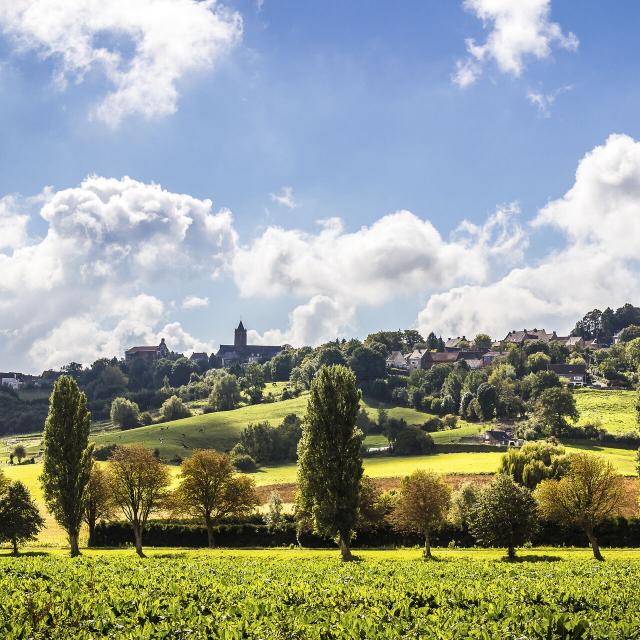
{"x": 287, "y": 490}
{"x": 455, "y": 481}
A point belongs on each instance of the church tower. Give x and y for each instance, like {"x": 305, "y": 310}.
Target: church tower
{"x": 240, "y": 339}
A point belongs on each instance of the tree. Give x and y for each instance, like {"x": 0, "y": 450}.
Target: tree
{"x": 258, "y": 441}
{"x": 20, "y": 519}
{"x": 552, "y": 409}
{"x": 98, "y": 501}
{"x": 504, "y": 515}
{"x": 67, "y": 457}
{"x": 20, "y": 452}
{"x": 125, "y": 413}
{"x": 411, "y": 440}
{"x": 632, "y": 352}
{"x": 367, "y": 364}
{"x": 329, "y": 457}
{"x": 210, "y": 490}
{"x": 225, "y": 394}
{"x": 538, "y": 361}
{"x": 181, "y": 371}
{"x": 462, "y": 504}
{"x": 482, "y": 341}
{"x": 252, "y": 382}
{"x": 487, "y": 398}
{"x": 138, "y": 482}
{"x": 4, "y": 482}
{"x": 422, "y": 505}
{"x": 534, "y": 462}
{"x": 274, "y": 518}
{"x": 587, "y": 495}
{"x": 174, "y": 409}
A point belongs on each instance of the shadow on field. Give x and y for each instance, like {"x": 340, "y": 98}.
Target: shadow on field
{"x": 24, "y": 554}
{"x": 531, "y": 558}
{"x": 175, "y": 554}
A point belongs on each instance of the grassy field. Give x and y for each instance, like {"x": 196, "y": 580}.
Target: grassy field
{"x": 284, "y": 594}
{"x": 614, "y": 409}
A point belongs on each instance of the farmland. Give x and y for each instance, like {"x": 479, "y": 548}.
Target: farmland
{"x": 614, "y": 409}
{"x": 291, "y": 594}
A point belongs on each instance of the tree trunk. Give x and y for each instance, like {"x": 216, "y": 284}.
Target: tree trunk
{"x": 511, "y": 553}
{"x": 427, "y": 547}
{"x": 15, "y": 546}
{"x": 594, "y": 545}
{"x": 137, "y": 534}
{"x": 210, "y": 537}
{"x": 73, "y": 543}
{"x": 92, "y": 534}
{"x": 344, "y": 548}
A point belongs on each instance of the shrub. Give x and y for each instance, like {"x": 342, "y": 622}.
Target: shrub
{"x": 412, "y": 441}
{"x": 103, "y": 452}
{"x": 174, "y": 409}
{"x": 125, "y": 413}
{"x": 433, "y": 424}
{"x": 146, "y": 419}
{"x": 450, "y": 421}
{"x": 244, "y": 462}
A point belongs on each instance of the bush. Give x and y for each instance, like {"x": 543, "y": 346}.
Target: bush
{"x": 244, "y": 462}
{"x": 432, "y": 425}
{"x": 436, "y": 406}
{"x": 412, "y": 441}
{"x": 450, "y": 421}
{"x": 103, "y": 452}
{"x": 174, "y": 409}
{"x": 125, "y": 413}
{"x": 146, "y": 419}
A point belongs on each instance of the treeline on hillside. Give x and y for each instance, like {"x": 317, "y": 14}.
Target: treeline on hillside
{"x": 161, "y": 390}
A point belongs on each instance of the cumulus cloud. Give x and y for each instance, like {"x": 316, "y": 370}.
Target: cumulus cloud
{"x": 319, "y": 320}
{"x": 195, "y": 302}
{"x": 597, "y": 266}
{"x": 143, "y": 48}
{"x": 517, "y": 31}
{"x": 399, "y": 253}
{"x": 285, "y": 198}
{"x": 107, "y": 240}
{"x": 13, "y": 225}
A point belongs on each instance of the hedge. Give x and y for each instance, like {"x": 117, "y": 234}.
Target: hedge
{"x": 620, "y": 532}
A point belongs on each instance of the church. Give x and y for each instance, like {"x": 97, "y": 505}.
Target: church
{"x": 242, "y": 353}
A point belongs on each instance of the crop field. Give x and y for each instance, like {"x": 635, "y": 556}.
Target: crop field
{"x": 287, "y": 595}
{"x": 615, "y": 409}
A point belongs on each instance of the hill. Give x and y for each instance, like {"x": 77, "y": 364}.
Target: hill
{"x": 614, "y": 409}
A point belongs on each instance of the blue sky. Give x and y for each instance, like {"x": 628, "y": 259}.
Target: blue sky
{"x": 354, "y": 107}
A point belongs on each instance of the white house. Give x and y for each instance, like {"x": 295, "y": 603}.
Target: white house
{"x": 397, "y": 361}
{"x": 10, "y": 380}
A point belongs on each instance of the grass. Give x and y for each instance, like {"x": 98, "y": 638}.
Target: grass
{"x": 614, "y": 409}
{"x": 220, "y": 430}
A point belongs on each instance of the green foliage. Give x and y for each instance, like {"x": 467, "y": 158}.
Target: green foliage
{"x": 504, "y": 515}
{"x": 367, "y": 364}
{"x": 20, "y": 519}
{"x": 534, "y": 462}
{"x": 225, "y": 394}
{"x": 412, "y": 441}
{"x": 329, "y": 457}
{"x": 174, "y": 408}
{"x": 124, "y": 413}
{"x": 487, "y": 398}
{"x": 269, "y": 445}
{"x": 67, "y": 457}
{"x": 552, "y": 409}
{"x": 252, "y": 382}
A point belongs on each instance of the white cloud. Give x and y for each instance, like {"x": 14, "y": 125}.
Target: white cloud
{"x": 544, "y": 101}
{"x": 195, "y": 302}
{"x": 597, "y": 267}
{"x": 107, "y": 242}
{"x": 180, "y": 340}
{"x": 400, "y": 253}
{"x": 13, "y": 225}
{"x": 518, "y": 30}
{"x": 320, "y": 320}
{"x": 143, "y": 47}
{"x": 285, "y": 197}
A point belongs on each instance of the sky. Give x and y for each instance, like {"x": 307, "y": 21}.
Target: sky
{"x": 318, "y": 169}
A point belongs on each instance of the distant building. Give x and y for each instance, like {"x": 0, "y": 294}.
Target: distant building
{"x": 489, "y": 356}
{"x": 10, "y": 380}
{"x": 456, "y": 344}
{"x": 473, "y": 358}
{"x": 397, "y": 361}
{"x": 148, "y": 353}
{"x": 242, "y": 353}
{"x": 496, "y": 437}
{"x": 529, "y": 335}
{"x": 574, "y": 374}
{"x": 198, "y": 356}
{"x": 417, "y": 359}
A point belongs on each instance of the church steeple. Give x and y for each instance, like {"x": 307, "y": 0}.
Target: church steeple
{"x": 240, "y": 339}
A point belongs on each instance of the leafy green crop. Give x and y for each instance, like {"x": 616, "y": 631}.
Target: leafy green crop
{"x": 317, "y": 599}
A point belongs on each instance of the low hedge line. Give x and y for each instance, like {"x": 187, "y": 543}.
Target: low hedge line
{"x": 468, "y": 447}
{"x": 620, "y": 532}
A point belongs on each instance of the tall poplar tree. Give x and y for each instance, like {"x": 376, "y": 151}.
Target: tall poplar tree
{"x": 329, "y": 457}
{"x": 67, "y": 457}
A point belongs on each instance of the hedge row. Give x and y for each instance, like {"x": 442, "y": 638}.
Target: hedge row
{"x": 620, "y": 532}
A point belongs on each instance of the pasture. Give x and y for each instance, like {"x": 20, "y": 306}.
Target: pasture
{"x": 614, "y": 409}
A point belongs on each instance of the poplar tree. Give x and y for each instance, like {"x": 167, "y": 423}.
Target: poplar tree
{"x": 329, "y": 457}
{"x": 67, "y": 457}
